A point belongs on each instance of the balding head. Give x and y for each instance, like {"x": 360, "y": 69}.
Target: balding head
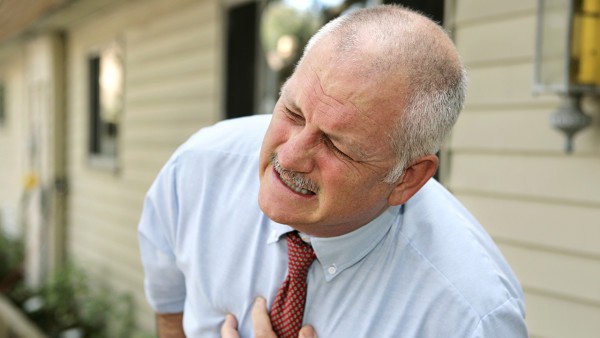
{"x": 410, "y": 54}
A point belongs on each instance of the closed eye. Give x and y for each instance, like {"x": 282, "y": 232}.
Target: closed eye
{"x": 335, "y": 149}
{"x": 294, "y": 116}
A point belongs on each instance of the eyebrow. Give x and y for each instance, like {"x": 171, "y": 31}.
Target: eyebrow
{"x": 352, "y": 147}
{"x": 286, "y": 98}
{"x": 356, "y": 152}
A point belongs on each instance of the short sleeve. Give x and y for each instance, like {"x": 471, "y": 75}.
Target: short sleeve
{"x": 164, "y": 282}
{"x": 506, "y": 321}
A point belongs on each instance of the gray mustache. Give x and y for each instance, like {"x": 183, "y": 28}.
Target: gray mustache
{"x": 298, "y": 179}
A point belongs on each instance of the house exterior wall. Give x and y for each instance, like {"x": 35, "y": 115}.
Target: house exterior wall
{"x": 506, "y": 164}
{"x": 541, "y": 206}
{"x": 172, "y": 88}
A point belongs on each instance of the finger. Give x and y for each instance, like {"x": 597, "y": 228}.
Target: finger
{"x": 261, "y": 321}
{"x": 229, "y": 328}
{"x": 307, "y": 332}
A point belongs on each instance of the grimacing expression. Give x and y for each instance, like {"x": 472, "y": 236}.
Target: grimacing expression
{"x": 327, "y": 150}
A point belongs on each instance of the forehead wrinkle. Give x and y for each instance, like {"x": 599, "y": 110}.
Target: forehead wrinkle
{"x": 352, "y": 146}
{"x": 366, "y": 114}
{"x": 325, "y": 103}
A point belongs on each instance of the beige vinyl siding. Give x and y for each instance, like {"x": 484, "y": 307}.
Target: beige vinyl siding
{"x": 12, "y": 139}
{"x": 540, "y": 205}
{"x": 172, "y": 88}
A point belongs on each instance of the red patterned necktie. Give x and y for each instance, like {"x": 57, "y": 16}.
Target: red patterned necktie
{"x": 288, "y": 307}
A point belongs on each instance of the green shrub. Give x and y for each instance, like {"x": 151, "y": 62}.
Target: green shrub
{"x": 68, "y": 300}
{"x": 11, "y": 257}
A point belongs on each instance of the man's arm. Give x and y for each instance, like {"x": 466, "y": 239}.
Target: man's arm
{"x": 164, "y": 282}
{"x": 170, "y": 325}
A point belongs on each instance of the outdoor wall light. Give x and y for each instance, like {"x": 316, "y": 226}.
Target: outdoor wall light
{"x": 285, "y": 29}
{"x": 567, "y": 59}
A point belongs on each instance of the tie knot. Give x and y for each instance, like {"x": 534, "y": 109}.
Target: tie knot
{"x": 300, "y": 255}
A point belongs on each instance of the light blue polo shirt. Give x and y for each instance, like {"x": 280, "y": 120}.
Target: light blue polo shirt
{"x": 426, "y": 269}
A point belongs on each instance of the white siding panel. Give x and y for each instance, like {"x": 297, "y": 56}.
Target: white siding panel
{"x": 185, "y": 88}
{"x": 102, "y": 189}
{"x": 175, "y": 67}
{"x": 163, "y": 46}
{"x": 167, "y": 132}
{"x": 508, "y": 40}
{"x": 559, "y": 227}
{"x": 161, "y": 112}
{"x": 508, "y": 130}
{"x": 551, "y": 317}
{"x": 561, "y": 178}
{"x": 505, "y": 85}
{"x": 552, "y": 272}
{"x": 520, "y": 130}
{"x": 477, "y": 10}
{"x": 159, "y": 26}
{"x": 111, "y": 248}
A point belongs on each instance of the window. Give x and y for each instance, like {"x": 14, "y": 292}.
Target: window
{"x": 106, "y": 82}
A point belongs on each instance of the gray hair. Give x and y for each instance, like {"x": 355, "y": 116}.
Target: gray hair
{"x": 420, "y": 51}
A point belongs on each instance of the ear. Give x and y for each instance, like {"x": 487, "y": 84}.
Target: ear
{"x": 413, "y": 179}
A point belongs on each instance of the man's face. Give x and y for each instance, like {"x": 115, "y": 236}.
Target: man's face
{"x": 327, "y": 150}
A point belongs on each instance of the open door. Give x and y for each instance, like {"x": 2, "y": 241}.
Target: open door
{"x": 43, "y": 203}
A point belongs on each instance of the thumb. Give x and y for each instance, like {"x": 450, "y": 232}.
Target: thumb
{"x": 307, "y": 332}
{"x": 229, "y": 328}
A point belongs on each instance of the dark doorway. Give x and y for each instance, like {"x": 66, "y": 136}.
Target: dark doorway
{"x": 434, "y": 9}
{"x": 242, "y": 23}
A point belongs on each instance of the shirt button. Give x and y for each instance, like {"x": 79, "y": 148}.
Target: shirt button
{"x": 331, "y": 269}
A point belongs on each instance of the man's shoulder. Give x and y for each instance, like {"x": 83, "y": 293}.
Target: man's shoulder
{"x": 436, "y": 206}
{"x": 453, "y": 243}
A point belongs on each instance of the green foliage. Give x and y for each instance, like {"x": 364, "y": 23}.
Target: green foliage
{"x": 71, "y": 301}
{"x": 68, "y": 299}
{"x": 11, "y": 255}
{"x": 59, "y": 297}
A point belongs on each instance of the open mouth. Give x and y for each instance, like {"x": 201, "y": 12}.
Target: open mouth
{"x": 296, "y": 186}
{"x": 292, "y": 180}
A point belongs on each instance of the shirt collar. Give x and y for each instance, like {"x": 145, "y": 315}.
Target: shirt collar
{"x": 336, "y": 254}
{"x": 278, "y": 230}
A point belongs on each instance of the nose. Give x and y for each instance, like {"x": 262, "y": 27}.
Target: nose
{"x": 297, "y": 153}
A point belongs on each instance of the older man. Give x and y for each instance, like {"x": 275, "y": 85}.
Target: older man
{"x": 344, "y": 195}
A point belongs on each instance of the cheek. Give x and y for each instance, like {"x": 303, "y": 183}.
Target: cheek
{"x": 273, "y": 137}
{"x": 346, "y": 181}
{"x": 276, "y": 134}
{"x": 340, "y": 178}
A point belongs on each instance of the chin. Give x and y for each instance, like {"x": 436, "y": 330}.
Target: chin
{"x": 272, "y": 209}
{"x": 277, "y": 212}
{"x": 265, "y": 204}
